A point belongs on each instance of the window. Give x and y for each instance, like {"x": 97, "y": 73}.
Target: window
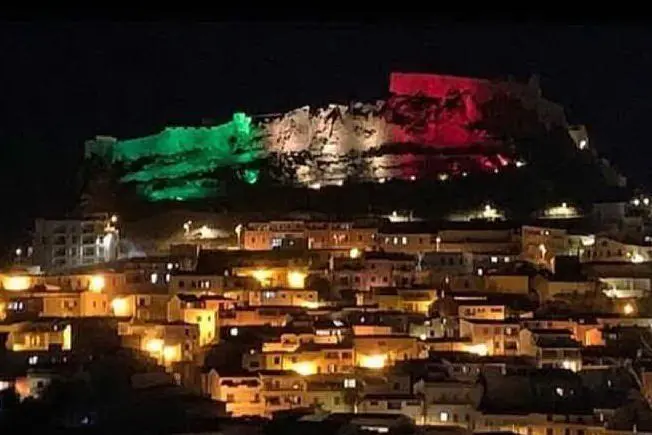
{"x": 182, "y": 284}
{"x": 277, "y": 360}
{"x": 230, "y": 398}
{"x": 443, "y": 416}
{"x": 336, "y": 400}
{"x": 349, "y": 383}
{"x": 404, "y": 240}
{"x": 394, "y": 405}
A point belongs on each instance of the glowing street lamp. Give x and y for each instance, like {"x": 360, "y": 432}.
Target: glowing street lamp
{"x": 373, "y": 361}
{"x": 354, "y": 253}
{"x": 96, "y": 283}
{"x": 296, "y": 279}
{"x": 628, "y": 309}
{"x": 238, "y": 232}
{"x": 305, "y": 368}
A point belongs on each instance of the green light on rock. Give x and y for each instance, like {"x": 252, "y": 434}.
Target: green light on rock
{"x": 179, "y": 161}
{"x": 250, "y": 176}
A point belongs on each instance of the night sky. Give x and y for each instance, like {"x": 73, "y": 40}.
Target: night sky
{"x": 63, "y": 84}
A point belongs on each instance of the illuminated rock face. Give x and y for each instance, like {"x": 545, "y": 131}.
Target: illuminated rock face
{"x": 176, "y": 164}
{"x": 333, "y": 139}
{"x": 437, "y": 111}
{"x": 428, "y": 128}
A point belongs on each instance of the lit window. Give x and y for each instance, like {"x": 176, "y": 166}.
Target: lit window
{"x": 33, "y": 360}
{"x": 404, "y": 240}
{"x": 559, "y": 391}
{"x": 443, "y": 416}
{"x": 153, "y": 278}
{"x": 396, "y": 240}
{"x": 233, "y": 332}
{"x": 349, "y": 383}
{"x": 494, "y": 259}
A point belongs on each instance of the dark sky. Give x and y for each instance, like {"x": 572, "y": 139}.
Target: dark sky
{"x": 62, "y": 84}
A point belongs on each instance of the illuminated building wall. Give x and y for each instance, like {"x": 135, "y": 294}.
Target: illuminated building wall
{"x": 426, "y": 129}
{"x": 65, "y": 243}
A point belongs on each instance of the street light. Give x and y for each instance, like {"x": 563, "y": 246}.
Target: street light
{"x": 238, "y": 232}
